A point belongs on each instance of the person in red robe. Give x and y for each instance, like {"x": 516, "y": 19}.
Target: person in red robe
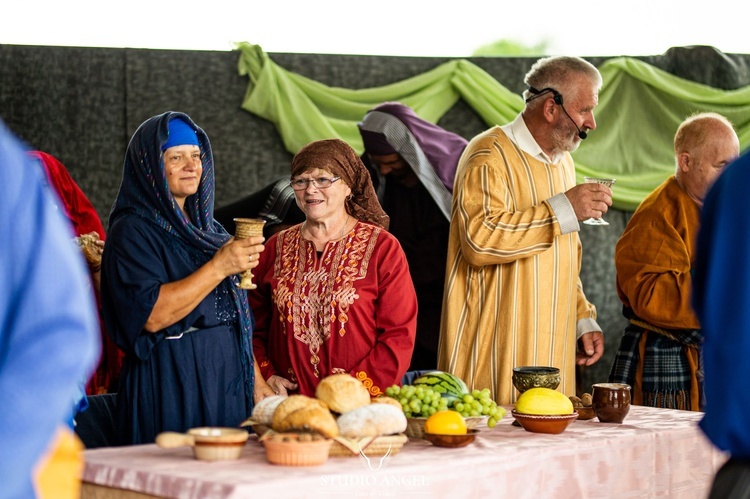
{"x": 334, "y": 293}
{"x": 86, "y": 222}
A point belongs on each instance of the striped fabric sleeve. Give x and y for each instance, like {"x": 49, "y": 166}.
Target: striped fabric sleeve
{"x": 492, "y": 231}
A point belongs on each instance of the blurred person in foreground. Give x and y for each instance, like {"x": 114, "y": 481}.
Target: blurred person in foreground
{"x": 655, "y": 257}
{"x": 170, "y": 289}
{"x": 412, "y": 163}
{"x": 721, "y": 294}
{"x": 334, "y": 292}
{"x": 48, "y": 334}
{"x": 90, "y": 236}
{"x": 513, "y": 295}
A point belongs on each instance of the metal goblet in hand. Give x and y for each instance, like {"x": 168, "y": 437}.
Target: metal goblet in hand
{"x": 248, "y": 227}
{"x": 609, "y": 182}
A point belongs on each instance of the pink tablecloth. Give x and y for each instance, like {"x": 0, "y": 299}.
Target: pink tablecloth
{"x": 654, "y": 453}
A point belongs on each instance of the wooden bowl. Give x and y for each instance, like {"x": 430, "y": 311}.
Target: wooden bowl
{"x": 451, "y": 440}
{"x": 552, "y": 424}
{"x": 415, "y": 426}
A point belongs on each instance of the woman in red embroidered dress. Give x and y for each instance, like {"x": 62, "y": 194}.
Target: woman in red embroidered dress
{"x": 334, "y": 292}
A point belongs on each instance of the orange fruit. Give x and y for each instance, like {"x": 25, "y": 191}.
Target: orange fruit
{"x": 445, "y": 423}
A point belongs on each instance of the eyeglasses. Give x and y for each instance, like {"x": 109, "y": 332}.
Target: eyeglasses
{"x": 301, "y": 184}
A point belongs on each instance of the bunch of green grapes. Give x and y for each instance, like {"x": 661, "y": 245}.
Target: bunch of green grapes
{"x": 418, "y": 401}
{"x": 423, "y": 401}
{"x": 479, "y": 403}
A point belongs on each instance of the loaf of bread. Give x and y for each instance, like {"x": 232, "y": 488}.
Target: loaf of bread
{"x": 313, "y": 418}
{"x": 291, "y": 404}
{"x": 342, "y": 393}
{"x": 264, "y": 410}
{"x": 303, "y": 413}
{"x": 372, "y": 420}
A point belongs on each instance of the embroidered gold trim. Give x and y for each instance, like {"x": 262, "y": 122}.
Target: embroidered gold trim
{"x": 369, "y": 384}
{"x": 314, "y": 294}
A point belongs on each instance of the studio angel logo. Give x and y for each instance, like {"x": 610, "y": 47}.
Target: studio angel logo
{"x": 376, "y": 481}
{"x": 375, "y": 464}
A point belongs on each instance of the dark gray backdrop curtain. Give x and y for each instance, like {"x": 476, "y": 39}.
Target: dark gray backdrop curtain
{"x": 83, "y": 104}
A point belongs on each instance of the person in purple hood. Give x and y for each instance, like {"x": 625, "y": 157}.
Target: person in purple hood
{"x": 412, "y": 163}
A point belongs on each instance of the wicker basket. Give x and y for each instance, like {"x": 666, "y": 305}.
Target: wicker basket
{"x": 372, "y": 446}
{"x": 415, "y": 426}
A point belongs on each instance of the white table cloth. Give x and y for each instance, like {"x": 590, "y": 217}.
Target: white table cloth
{"x": 654, "y": 453}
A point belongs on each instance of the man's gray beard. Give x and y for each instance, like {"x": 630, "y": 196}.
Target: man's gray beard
{"x": 564, "y": 140}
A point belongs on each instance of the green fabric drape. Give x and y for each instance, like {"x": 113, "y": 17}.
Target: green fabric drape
{"x": 640, "y": 107}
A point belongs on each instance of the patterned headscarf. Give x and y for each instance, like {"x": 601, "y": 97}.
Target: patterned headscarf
{"x": 337, "y": 157}
{"x": 144, "y": 191}
{"x": 144, "y": 188}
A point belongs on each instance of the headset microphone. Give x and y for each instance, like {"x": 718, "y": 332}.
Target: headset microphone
{"x": 558, "y": 98}
{"x": 581, "y": 133}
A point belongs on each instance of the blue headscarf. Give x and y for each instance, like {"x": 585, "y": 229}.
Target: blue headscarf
{"x": 144, "y": 191}
{"x": 180, "y": 133}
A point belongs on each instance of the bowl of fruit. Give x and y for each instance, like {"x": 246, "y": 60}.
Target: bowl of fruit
{"x": 440, "y": 440}
{"x": 544, "y": 410}
{"x": 544, "y": 423}
{"x": 439, "y": 391}
{"x": 583, "y": 406}
{"x": 415, "y": 427}
{"x": 448, "y": 429}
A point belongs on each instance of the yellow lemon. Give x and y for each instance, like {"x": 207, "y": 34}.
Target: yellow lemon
{"x": 445, "y": 423}
{"x": 543, "y": 401}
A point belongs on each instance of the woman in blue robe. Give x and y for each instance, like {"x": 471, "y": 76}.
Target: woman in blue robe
{"x": 170, "y": 293}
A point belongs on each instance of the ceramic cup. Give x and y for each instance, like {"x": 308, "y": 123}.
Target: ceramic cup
{"x": 611, "y": 401}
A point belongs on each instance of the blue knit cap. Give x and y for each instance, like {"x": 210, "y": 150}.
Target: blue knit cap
{"x": 180, "y": 134}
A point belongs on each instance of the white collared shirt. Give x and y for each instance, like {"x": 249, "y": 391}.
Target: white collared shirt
{"x": 519, "y": 133}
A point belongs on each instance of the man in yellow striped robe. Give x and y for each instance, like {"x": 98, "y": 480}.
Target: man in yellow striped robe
{"x": 513, "y": 295}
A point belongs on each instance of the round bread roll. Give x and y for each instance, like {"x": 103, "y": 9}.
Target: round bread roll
{"x": 372, "y": 420}
{"x": 310, "y": 418}
{"x": 342, "y": 393}
{"x": 289, "y": 405}
{"x": 264, "y": 410}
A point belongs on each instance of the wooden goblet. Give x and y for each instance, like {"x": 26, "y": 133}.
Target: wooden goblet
{"x": 248, "y": 227}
